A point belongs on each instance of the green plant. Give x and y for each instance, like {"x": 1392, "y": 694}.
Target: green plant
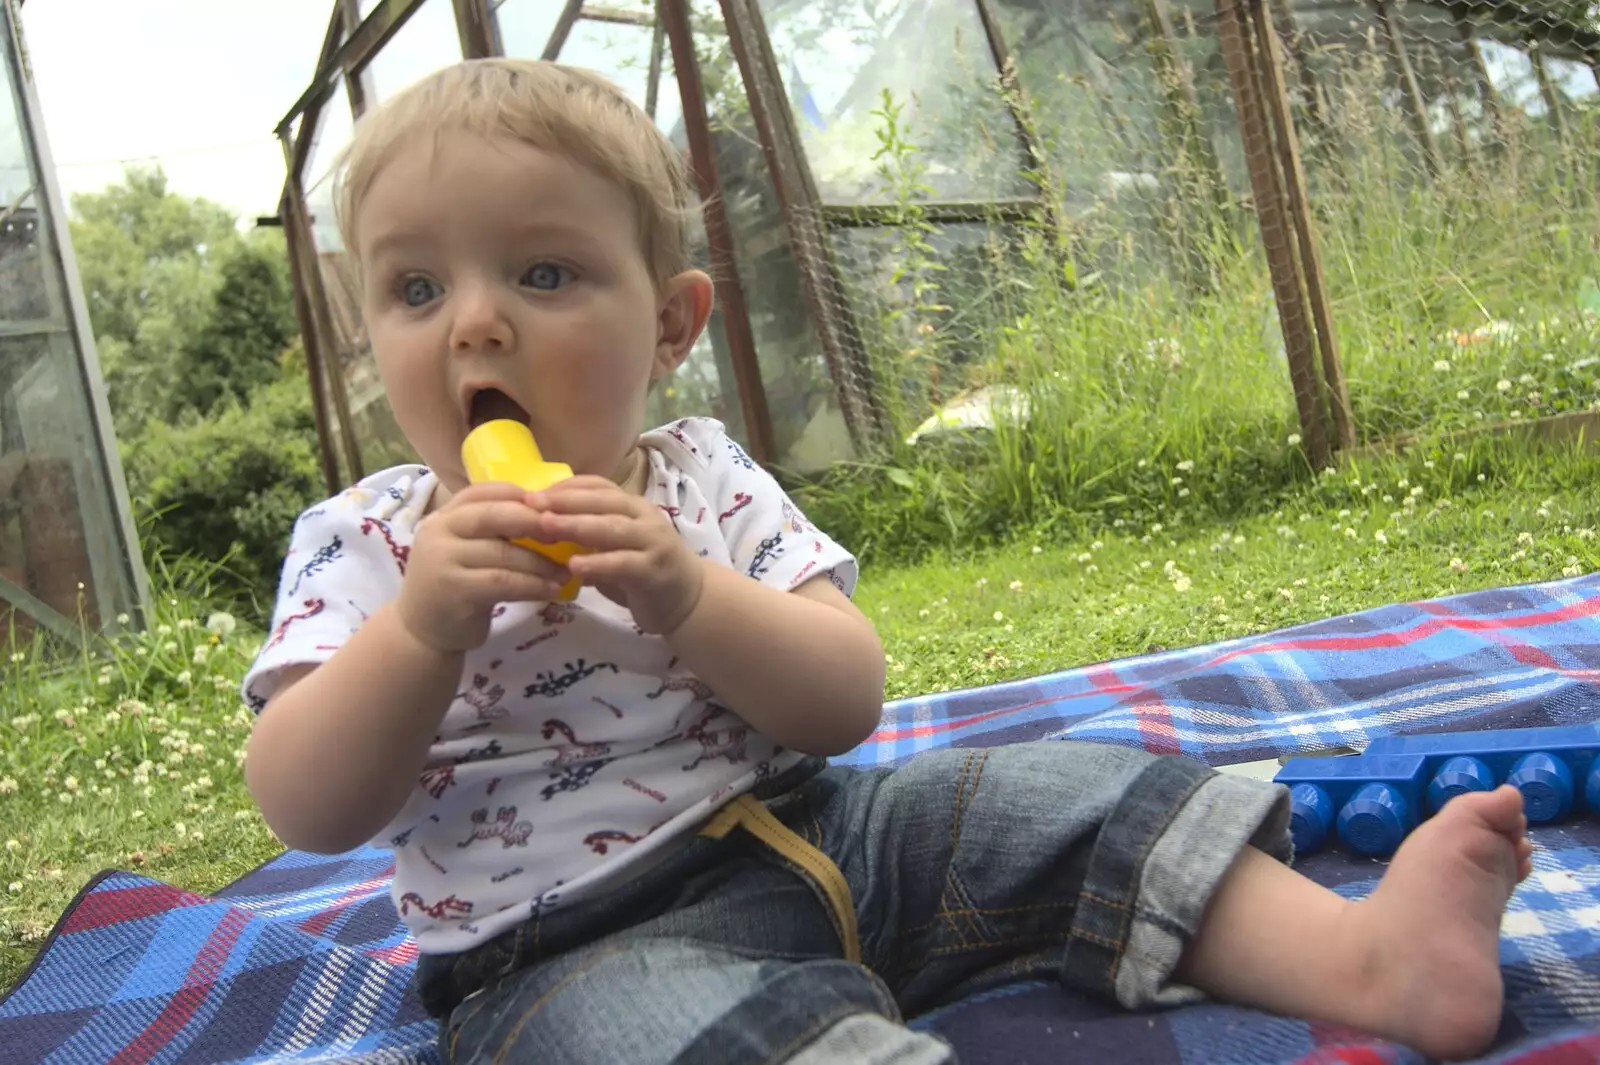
{"x": 230, "y": 485}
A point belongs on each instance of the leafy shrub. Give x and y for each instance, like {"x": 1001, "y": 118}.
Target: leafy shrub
{"x": 230, "y": 485}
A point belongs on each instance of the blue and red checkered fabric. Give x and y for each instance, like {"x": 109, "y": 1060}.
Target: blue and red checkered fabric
{"x": 304, "y": 959}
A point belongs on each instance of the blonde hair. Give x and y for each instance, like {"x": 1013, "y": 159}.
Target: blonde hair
{"x": 569, "y": 111}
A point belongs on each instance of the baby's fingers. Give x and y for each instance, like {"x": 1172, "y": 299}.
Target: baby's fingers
{"x": 500, "y": 520}
{"x": 507, "y": 586}
{"x": 504, "y": 555}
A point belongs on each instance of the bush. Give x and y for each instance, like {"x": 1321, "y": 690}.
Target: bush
{"x": 230, "y": 485}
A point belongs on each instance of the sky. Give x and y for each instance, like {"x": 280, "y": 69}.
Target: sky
{"x": 194, "y": 85}
{"x": 198, "y": 85}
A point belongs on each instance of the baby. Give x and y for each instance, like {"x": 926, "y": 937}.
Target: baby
{"x": 616, "y": 837}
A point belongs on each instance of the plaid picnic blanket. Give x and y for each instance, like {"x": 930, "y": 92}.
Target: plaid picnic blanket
{"x": 304, "y": 959}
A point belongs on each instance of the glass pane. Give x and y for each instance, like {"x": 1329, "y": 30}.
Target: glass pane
{"x": 346, "y": 349}
{"x": 366, "y": 7}
{"x": 334, "y": 126}
{"x": 704, "y": 385}
{"x": 955, "y": 138}
{"x": 62, "y": 552}
{"x": 926, "y": 333}
{"x": 622, "y": 53}
{"x": 57, "y": 534}
{"x": 23, "y": 291}
{"x": 1574, "y": 80}
{"x": 425, "y": 43}
{"x": 526, "y": 25}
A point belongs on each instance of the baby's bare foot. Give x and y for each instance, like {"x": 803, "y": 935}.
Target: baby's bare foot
{"x": 1434, "y": 925}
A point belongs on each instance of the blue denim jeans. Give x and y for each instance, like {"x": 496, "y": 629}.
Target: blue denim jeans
{"x": 965, "y": 870}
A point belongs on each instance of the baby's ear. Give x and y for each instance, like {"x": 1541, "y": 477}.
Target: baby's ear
{"x": 685, "y": 309}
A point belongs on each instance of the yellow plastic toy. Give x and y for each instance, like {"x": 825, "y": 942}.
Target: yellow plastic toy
{"x": 504, "y": 450}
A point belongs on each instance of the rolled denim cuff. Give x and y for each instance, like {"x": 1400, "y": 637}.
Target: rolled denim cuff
{"x": 1155, "y": 866}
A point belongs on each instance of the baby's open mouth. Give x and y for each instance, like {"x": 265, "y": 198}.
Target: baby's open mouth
{"x": 491, "y": 405}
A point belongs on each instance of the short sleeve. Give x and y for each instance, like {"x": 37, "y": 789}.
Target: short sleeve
{"x": 767, "y": 535}
{"x": 346, "y": 558}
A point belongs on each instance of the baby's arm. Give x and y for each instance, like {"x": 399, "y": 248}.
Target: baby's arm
{"x": 804, "y": 667}
{"x": 338, "y": 747}
{"x": 337, "y": 750}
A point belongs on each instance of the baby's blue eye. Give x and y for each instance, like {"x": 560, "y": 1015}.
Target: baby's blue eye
{"x": 546, "y": 277}
{"x": 416, "y": 291}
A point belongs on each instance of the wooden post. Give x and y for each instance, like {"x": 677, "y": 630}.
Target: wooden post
{"x": 327, "y": 448}
{"x": 1027, "y": 133}
{"x": 1264, "y": 183}
{"x": 1487, "y": 96}
{"x": 673, "y": 18}
{"x": 1269, "y": 61}
{"x": 1416, "y": 106}
{"x": 1548, "y": 90}
{"x": 475, "y": 26}
{"x": 652, "y": 89}
{"x": 303, "y": 250}
{"x": 563, "y": 27}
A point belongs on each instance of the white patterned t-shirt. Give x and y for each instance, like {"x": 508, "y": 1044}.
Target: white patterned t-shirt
{"x": 576, "y": 744}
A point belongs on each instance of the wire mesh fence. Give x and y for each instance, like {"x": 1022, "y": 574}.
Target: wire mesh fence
{"x": 1401, "y": 212}
{"x": 1105, "y": 231}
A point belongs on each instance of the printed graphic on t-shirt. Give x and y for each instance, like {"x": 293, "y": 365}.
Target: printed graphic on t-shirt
{"x": 575, "y": 742}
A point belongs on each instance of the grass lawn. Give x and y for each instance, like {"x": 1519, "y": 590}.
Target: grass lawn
{"x": 131, "y": 759}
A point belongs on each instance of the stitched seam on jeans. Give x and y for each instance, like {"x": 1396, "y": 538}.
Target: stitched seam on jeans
{"x": 953, "y": 889}
{"x": 999, "y": 912}
{"x": 539, "y": 1003}
{"x": 468, "y": 1019}
{"x": 1108, "y": 903}
{"x": 955, "y": 813}
{"x": 1052, "y": 937}
{"x": 1121, "y": 947}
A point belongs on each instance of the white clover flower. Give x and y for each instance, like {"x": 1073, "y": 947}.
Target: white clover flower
{"x": 1441, "y": 365}
{"x": 1380, "y": 536}
{"x": 1186, "y": 466}
{"x": 1181, "y": 584}
{"x": 1502, "y": 385}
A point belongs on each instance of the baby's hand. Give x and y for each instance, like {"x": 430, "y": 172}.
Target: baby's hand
{"x": 635, "y": 559}
{"x": 462, "y": 563}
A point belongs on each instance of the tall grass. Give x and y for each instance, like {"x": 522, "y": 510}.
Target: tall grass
{"x": 1456, "y": 296}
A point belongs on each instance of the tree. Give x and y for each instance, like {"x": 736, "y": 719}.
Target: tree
{"x": 240, "y": 346}
{"x": 196, "y": 329}
{"x": 148, "y": 261}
